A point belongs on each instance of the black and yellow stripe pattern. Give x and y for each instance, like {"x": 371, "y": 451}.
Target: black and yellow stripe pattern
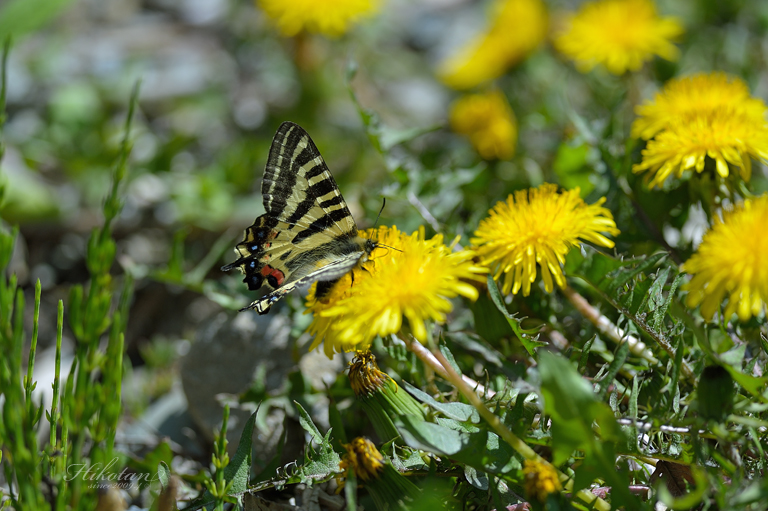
{"x": 307, "y": 233}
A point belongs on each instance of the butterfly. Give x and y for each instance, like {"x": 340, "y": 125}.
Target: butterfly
{"x": 307, "y": 233}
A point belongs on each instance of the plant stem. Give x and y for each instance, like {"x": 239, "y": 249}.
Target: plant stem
{"x": 431, "y": 362}
{"x": 510, "y": 438}
{"x": 619, "y": 336}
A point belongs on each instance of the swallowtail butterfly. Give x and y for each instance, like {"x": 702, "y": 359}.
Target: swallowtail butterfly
{"x": 307, "y": 233}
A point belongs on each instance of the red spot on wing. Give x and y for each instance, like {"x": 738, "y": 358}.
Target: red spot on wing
{"x": 277, "y": 274}
{"x": 280, "y": 276}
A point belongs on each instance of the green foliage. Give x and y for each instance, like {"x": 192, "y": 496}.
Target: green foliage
{"x": 230, "y": 478}
{"x": 84, "y": 415}
{"x": 610, "y": 378}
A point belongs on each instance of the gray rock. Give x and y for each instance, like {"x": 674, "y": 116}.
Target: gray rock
{"x": 226, "y": 355}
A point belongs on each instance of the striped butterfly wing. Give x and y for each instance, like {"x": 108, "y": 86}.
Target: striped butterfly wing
{"x": 298, "y": 188}
{"x": 307, "y": 233}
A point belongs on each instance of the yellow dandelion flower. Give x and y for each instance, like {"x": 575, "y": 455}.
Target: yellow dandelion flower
{"x": 539, "y": 226}
{"x": 732, "y": 262}
{"x": 517, "y": 28}
{"x": 704, "y": 117}
{"x": 327, "y": 17}
{"x": 619, "y": 34}
{"x": 414, "y": 280}
{"x": 726, "y": 137}
{"x": 692, "y": 96}
{"x": 363, "y": 457}
{"x": 540, "y": 480}
{"x": 489, "y": 123}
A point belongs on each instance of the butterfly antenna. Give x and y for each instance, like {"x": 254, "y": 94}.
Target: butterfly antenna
{"x": 387, "y": 246}
{"x": 383, "y": 203}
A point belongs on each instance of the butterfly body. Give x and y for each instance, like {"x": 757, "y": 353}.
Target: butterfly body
{"x": 307, "y": 233}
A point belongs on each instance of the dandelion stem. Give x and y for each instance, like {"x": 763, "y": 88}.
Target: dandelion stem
{"x": 431, "y": 362}
{"x": 619, "y": 336}
{"x": 510, "y": 438}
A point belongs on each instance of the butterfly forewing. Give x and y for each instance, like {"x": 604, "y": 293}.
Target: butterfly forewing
{"x": 299, "y": 189}
{"x": 307, "y": 233}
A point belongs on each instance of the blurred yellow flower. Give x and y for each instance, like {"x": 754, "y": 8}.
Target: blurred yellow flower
{"x": 517, "y": 27}
{"x": 541, "y": 479}
{"x": 414, "y": 279}
{"x": 700, "y": 118}
{"x": 539, "y": 226}
{"x": 489, "y": 123}
{"x": 732, "y": 262}
{"x": 363, "y": 458}
{"x": 619, "y": 34}
{"x": 691, "y": 96}
{"x": 327, "y": 17}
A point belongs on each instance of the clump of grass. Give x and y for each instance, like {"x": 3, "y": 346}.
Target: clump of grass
{"x": 80, "y": 449}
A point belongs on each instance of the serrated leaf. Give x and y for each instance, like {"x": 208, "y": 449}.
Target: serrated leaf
{"x": 606, "y": 273}
{"x": 661, "y": 311}
{"x": 239, "y": 468}
{"x": 323, "y": 464}
{"x": 413, "y": 461}
{"x": 237, "y": 472}
{"x": 522, "y": 334}
{"x": 306, "y": 422}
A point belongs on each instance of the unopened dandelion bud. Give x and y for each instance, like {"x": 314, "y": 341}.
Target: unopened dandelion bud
{"x": 381, "y": 397}
{"x": 388, "y": 488}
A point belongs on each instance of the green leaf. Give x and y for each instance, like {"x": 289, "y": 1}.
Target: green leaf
{"x": 606, "y": 273}
{"x": 427, "y": 436}
{"x": 163, "y": 474}
{"x": 569, "y": 400}
{"x": 306, "y": 422}
{"x": 572, "y": 166}
{"x": 322, "y": 462}
{"x": 461, "y": 441}
{"x": 530, "y": 344}
{"x": 458, "y": 411}
{"x": 613, "y": 369}
{"x": 751, "y": 384}
{"x": 239, "y": 468}
{"x": 237, "y": 472}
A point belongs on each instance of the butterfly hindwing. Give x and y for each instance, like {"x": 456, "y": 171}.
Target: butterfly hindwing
{"x": 307, "y": 233}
